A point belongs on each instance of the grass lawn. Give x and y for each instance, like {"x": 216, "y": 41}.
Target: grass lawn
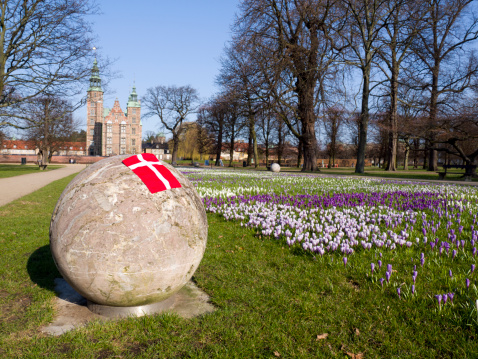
{"x": 271, "y": 301}
{"x": 8, "y": 170}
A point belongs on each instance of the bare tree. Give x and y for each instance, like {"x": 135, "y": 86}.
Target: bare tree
{"x": 46, "y": 48}
{"x": 397, "y": 38}
{"x": 49, "y": 122}
{"x": 204, "y": 140}
{"x": 366, "y": 18}
{"x": 172, "y": 105}
{"x": 333, "y": 122}
{"x": 212, "y": 116}
{"x": 449, "y": 66}
{"x": 287, "y": 38}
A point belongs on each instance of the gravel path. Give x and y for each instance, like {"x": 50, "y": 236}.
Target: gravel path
{"x": 12, "y": 188}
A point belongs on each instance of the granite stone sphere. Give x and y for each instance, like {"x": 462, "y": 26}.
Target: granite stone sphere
{"x": 275, "y": 167}
{"x": 117, "y": 244}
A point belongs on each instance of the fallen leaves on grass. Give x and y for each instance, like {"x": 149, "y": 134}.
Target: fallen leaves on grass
{"x": 355, "y": 356}
{"x": 322, "y": 336}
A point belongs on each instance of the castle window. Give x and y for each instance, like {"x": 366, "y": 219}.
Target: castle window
{"x": 123, "y": 141}
{"x": 92, "y": 143}
{"x": 133, "y": 142}
{"x": 123, "y": 150}
{"x": 123, "y": 128}
{"x": 92, "y": 121}
{"x": 133, "y": 131}
{"x": 109, "y": 128}
{"x": 134, "y": 119}
{"x": 109, "y": 140}
{"x": 108, "y": 151}
{"x": 133, "y": 151}
{"x": 92, "y": 132}
{"x": 134, "y": 111}
{"x": 92, "y": 112}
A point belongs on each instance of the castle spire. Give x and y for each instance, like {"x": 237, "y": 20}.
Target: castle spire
{"x": 133, "y": 98}
{"x": 95, "y": 79}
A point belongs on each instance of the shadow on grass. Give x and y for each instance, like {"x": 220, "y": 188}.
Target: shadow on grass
{"x": 42, "y": 269}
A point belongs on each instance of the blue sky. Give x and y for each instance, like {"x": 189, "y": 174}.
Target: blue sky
{"x": 159, "y": 42}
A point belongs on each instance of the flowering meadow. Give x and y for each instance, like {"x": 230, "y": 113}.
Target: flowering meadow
{"x": 414, "y": 241}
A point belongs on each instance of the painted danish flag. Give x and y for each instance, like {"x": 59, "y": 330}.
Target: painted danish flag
{"x": 152, "y": 172}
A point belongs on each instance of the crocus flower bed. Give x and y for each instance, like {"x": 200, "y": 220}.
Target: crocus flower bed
{"x": 427, "y": 229}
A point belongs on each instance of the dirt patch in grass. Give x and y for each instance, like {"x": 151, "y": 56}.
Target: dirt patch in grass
{"x": 14, "y": 309}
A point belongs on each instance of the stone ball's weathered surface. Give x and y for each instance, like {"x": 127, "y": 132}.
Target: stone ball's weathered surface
{"x": 118, "y": 244}
{"x": 275, "y": 167}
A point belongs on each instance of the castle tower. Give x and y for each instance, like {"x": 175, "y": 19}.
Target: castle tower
{"x": 94, "y": 105}
{"x": 133, "y": 113}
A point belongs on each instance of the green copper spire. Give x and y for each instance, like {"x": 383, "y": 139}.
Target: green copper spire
{"x": 133, "y": 99}
{"x": 95, "y": 79}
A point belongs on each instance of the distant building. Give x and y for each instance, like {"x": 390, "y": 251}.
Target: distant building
{"x": 111, "y": 131}
{"x": 18, "y": 147}
{"x": 158, "y": 147}
{"x": 239, "y": 153}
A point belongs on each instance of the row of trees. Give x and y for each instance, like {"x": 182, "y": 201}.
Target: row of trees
{"x": 45, "y": 53}
{"x": 295, "y": 65}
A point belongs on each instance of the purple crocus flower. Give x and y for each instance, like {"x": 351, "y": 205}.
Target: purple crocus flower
{"x": 345, "y": 261}
{"x": 472, "y": 268}
{"x": 422, "y": 261}
{"x": 451, "y": 295}
{"x": 467, "y": 281}
{"x": 438, "y": 297}
{"x": 474, "y": 251}
{"x": 372, "y": 266}
{"x": 454, "y": 253}
{"x": 387, "y": 276}
{"x": 379, "y": 264}
{"x": 381, "y": 282}
{"x": 450, "y": 273}
{"x": 444, "y": 297}
{"x": 398, "y": 291}
{"x": 413, "y": 288}
{"x": 389, "y": 268}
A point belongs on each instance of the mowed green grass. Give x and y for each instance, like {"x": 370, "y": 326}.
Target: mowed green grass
{"x": 271, "y": 302}
{"x": 8, "y": 170}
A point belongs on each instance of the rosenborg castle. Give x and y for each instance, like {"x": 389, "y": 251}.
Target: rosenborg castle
{"x": 111, "y": 131}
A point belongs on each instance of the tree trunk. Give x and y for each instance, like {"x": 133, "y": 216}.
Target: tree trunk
{"x": 279, "y": 143}
{"x": 363, "y": 121}
{"x": 300, "y": 152}
{"x": 425, "y": 156}
{"x": 249, "y": 147}
{"x": 174, "y": 156}
{"x": 433, "y": 154}
{"x": 231, "y": 150}
{"x": 219, "y": 144}
{"x": 393, "y": 127}
{"x": 407, "y": 152}
{"x": 254, "y": 143}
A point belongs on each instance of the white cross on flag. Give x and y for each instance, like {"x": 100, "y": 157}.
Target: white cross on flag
{"x": 152, "y": 172}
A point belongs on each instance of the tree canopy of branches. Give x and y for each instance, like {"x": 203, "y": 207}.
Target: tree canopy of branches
{"x": 286, "y": 41}
{"x": 49, "y": 123}
{"x": 45, "y": 48}
{"x": 295, "y": 59}
{"x": 172, "y": 105}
